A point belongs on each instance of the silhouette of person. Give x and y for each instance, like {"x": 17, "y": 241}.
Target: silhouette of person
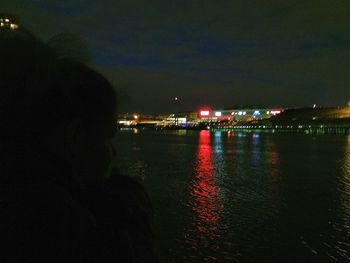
{"x": 58, "y": 199}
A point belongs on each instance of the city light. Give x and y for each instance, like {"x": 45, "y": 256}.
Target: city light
{"x": 218, "y": 113}
{"x": 274, "y": 112}
{"x": 256, "y": 112}
{"x": 8, "y": 22}
{"x": 204, "y": 113}
{"x": 13, "y": 26}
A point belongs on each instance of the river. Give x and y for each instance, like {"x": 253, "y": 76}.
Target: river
{"x": 244, "y": 197}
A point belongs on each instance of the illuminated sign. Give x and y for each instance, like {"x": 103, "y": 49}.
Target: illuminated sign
{"x": 218, "y": 113}
{"x": 204, "y": 113}
{"x": 274, "y": 112}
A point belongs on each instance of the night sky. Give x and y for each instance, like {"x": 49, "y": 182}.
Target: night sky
{"x": 214, "y": 52}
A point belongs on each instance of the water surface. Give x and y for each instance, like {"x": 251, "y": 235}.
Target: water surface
{"x": 244, "y": 197}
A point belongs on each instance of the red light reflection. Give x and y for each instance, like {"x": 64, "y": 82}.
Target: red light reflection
{"x": 207, "y": 201}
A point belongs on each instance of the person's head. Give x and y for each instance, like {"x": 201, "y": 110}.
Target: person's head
{"x": 58, "y": 103}
{"x": 88, "y": 108}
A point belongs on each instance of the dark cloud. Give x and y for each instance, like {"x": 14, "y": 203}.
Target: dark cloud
{"x": 216, "y": 52}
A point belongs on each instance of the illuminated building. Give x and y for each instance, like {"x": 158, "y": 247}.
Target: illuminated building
{"x": 8, "y": 21}
{"x": 244, "y": 114}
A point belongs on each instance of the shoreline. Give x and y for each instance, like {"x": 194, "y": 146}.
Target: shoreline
{"x": 300, "y": 129}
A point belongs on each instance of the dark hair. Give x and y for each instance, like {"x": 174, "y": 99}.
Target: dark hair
{"x": 40, "y": 90}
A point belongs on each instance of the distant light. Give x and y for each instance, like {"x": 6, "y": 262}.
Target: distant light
{"x": 13, "y": 26}
{"x": 136, "y": 117}
{"x": 1, "y": 24}
{"x": 176, "y": 98}
{"x": 256, "y": 112}
{"x": 232, "y": 113}
{"x": 314, "y": 106}
{"x": 124, "y": 122}
{"x": 240, "y": 113}
{"x": 268, "y": 112}
{"x": 204, "y": 113}
{"x": 274, "y": 112}
{"x": 7, "y": 20}
{"x": 218, "y": 113}
{"x": 244, "y": 113}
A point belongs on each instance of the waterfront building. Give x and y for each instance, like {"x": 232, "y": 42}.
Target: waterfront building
{"x": 239, "y": 114}
{"x": 204, "y": 115}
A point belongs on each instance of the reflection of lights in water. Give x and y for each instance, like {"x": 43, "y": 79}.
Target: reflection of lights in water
{"x": 217, "y": 143}
{"x": 256, "y": 135}
{"x": 204, "y": 190}
{"x": 273, "y": 162}
{"x": 181, "y": 132}
{"x": 205, "y": 201}
{"x": 230, "y": 134}
{"x": 218, "y": 134}
{"x": 256, "y": 152}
